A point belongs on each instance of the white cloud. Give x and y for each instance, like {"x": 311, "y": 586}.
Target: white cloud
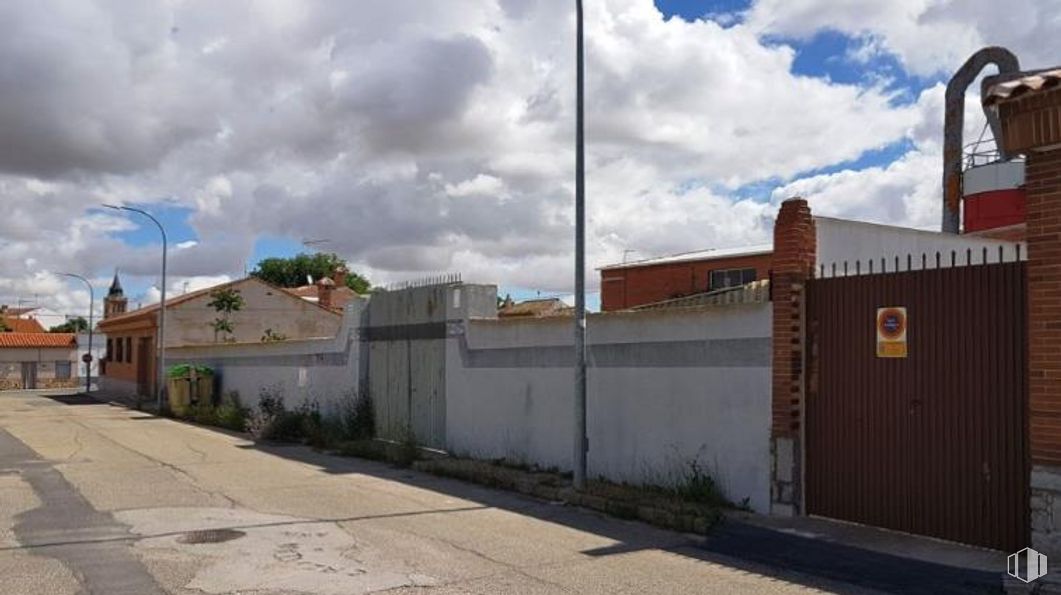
{"x": 422, "y": 137}
{"x": 930, "y": 37}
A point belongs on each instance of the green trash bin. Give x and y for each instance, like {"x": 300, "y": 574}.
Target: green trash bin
{"x": 189, "y": 386}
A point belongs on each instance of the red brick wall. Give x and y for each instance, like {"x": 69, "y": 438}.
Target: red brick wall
{"x": 639, "y": 285}
{"x": 1043, "y": 175}
{"x": 795, "y": 246}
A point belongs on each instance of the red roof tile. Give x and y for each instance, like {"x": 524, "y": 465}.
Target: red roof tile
{"x": 1030, "y": 83}
{"x": 23, "y": 325}
{"x": 38, "y": 340}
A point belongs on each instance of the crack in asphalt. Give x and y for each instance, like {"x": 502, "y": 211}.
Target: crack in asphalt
{"x": 232, "y": 503}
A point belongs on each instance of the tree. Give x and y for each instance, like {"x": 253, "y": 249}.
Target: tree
{"x": 225, "y": 301}
{"x": 73, "y": 325}
{"x": 294, "y": 271}
{"x": 3, "y": 325}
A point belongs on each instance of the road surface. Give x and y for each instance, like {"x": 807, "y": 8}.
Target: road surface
{"x": 96, "y": 498}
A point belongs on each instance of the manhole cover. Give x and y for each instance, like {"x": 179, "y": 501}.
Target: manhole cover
{"x": 210, "y": 536}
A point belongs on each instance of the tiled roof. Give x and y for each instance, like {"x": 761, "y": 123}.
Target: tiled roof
{"x": 38, "y": 340}
{"x": 23, "y": 325}
{"x": 1030, "y": 83}
{"x": 710, "y": 254}
{"x": 536, "y": 309}
{"x": 16, "y": 311}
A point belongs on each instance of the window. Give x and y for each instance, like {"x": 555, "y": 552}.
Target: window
{"x": 724, "y": 278}
{"x": 62, "y": 370}
{"x": 129, "y": 350}
{"x": 110, "y": 349}
{"x": 119, "y": 354}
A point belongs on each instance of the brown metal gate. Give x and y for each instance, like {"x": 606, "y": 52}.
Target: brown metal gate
{"x": 933, "y": 444}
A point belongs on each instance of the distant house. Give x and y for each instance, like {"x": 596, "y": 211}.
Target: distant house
{"x": 15, "y": 324}
{"x": 331, "y": 293}
{"x": 268, "y": 312}
{"x": 537, "y": 308}
{"x": 38, "y": 360}
{"x": 653, "y": 280}
{"x": 42, "y": 318}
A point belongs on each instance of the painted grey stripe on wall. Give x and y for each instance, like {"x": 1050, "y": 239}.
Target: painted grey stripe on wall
{"x": 290, "y": 360}
{"x": 402, "y": 332}
{"x": 752, "y": 352}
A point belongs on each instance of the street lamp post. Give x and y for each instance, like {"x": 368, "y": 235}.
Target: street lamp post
{"x": 161, "y": 347}
{"x": 581, "y": 442}
{"x": 91, "y": 307}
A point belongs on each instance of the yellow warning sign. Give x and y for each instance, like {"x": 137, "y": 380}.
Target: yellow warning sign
{"x": 891, "y": 331}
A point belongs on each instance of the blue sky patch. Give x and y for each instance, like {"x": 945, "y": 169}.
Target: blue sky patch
{"x": 174, "y": 218}
{"x": 691, "y": 10}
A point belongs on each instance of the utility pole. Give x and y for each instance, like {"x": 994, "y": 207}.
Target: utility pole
{"x": 581, "y": 442}
{"x": 91, "y": 306}
{"x": 160, "y": 389}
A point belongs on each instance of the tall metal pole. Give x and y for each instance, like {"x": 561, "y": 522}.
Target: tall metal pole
{"x": 581, "y": 442}
{"x": 160, "y": 387}
{"x": 91, "y": 307}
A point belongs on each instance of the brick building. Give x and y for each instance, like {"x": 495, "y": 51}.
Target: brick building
{"x": 30, "y": 360}
{"x": 641, "y": 282}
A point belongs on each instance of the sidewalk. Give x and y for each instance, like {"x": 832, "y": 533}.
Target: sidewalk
{"x": 867, "y": 558}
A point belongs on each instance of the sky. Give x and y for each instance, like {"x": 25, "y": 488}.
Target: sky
{"x": 421, "y": 138}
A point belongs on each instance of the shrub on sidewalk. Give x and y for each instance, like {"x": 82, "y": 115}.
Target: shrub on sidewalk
{"x": 358, "y": 416}
{"x": 228, "y": 414}
{"x": 272, "y": 420}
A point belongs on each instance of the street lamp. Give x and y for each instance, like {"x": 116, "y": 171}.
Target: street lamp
{"x": 581, "y": 442}
{"x": 91, "y": 306}
{"x": 161, "y": 382}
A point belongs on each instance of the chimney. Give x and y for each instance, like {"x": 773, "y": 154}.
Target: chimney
{"x": 339, "y": 276}
{"x": 325, "y": 287}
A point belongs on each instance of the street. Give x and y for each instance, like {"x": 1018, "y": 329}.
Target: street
{"x": 97, "y": 498}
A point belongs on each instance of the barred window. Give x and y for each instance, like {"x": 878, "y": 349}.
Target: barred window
{"x": 119, "y": 352}
{"x": 62, "y": 370}
{"x": 129, "y": 350}
{"x": 730, "y": 278}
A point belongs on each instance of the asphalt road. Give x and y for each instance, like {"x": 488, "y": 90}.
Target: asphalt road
{"x": 96, "y": 498}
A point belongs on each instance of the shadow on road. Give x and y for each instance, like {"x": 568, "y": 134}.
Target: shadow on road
{"x": 751, "y": 548}
{"x": 72, "y": 399}
{"x": 764, "y": 551}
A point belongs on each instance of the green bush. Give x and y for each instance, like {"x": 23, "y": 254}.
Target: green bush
{"x": 229, "y": 414}
{"x": 697, "y": 485}
{"x": 274, "y": 421}
{"x": 358, "y": 417}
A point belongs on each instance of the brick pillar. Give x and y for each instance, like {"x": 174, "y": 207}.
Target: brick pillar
{"x": 795, "y": 245}
{"x": 1043, "y": 185}
{"x": 1030, "y": 118}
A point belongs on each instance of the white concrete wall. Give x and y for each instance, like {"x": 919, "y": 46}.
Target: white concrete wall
{"x": 841, "y": 240}
{"x": 665, "y": 388}
{"x": 315, "y": 369}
